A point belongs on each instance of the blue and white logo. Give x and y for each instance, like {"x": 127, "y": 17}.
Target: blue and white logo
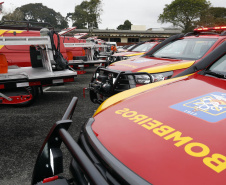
{"x": 210, "y": 107}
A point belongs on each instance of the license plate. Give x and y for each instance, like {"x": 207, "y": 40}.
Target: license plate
{"x": 56, "y": 81}
{"x": 23, "y": 84}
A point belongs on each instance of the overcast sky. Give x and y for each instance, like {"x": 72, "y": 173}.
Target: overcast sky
{"x": 115, "y": 12}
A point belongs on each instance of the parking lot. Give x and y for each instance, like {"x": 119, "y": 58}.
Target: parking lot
{"x": 22, "y": 130}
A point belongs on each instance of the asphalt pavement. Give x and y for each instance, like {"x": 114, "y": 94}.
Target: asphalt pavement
{"x": 23, "y": 130}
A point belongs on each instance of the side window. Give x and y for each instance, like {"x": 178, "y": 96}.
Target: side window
{"x": 219, "y": 65}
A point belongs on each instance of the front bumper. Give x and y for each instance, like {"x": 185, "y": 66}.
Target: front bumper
{"x": 106, "y": 82}
{"x": 91, "y": 162}
{"x": 112, "y": 169}
{"x": 49, "y": 162}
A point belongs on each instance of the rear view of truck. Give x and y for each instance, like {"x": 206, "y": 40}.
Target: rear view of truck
{"x": 20, "y": 85}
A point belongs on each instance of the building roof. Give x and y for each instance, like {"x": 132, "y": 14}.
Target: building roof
{"x": 129, "y": 33}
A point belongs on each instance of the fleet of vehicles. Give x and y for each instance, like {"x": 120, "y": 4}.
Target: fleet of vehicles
{"x": 77, "y": 51}
{"x": 136, "y": 50}
{"x": 169, "y": 132}
{"x": 20, "y": 55}
{"x": 164, "y": 61}
{"x": 125, "y": 48}
{"x": 21, "y": 85}
{"x": 93, "y": 50}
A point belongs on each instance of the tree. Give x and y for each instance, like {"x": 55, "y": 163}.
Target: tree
{"x": 37, "y": 13}
{"x": 214, "y": 16}
{"x": 126, "y": 26}
{"x": 87, "y": 14}
{"x": 184, "y": 13}
{"x": 17, "y": 15}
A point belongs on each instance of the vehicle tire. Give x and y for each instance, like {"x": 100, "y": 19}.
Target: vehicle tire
{"x": 33, "y": 91}
{"x": 93, "y": 96}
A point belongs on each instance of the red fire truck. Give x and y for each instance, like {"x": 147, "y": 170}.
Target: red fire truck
{"x": 164, "y": 61}
{"x": 20, "y": 85}
{"x": 20, "y": 55}
{"x": 169, "y": 132}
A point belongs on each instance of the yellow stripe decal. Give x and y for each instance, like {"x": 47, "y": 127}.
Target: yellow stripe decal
{"x": 2, "y": 32}
{"x": 8, "y": 31}
{"x": 169, "y": 67}
{"x": 12, "y": 31}
{"x": 135, "y": 54}
{"x": 132, "y": 92}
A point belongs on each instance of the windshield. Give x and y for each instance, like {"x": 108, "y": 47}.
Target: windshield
{"x": 144, "y": 47}
{"x": 218, "y": 69}
{"x": 130, "y": 47}
{"x": 189, "y": 48}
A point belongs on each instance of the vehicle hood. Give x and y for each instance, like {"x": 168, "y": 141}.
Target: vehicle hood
{"x": 150, "y": 65}
{"x": 128, "y": 53}
{"x": 173, "y": 134}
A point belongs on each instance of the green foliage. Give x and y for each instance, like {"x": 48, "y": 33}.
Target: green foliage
{"x": 37, "y": 13}
{"x": 184, "y": 13}
{"x": 218, "y": 12}
{"x": 17, "y": 15}
{"x": 87, "y": 14}
{"x": 214, "y": 16}
{"x": 126, "y": 26}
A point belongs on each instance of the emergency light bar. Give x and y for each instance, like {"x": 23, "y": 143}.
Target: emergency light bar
{"x": 210, "y": 28}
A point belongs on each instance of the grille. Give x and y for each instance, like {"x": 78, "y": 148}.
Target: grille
{"x": 123, "y": 81}
{"x": 111, "y": 176}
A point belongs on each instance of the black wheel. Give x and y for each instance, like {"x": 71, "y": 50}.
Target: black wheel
{"x": 32, "y": 91}
{"x": 93, "y": 96}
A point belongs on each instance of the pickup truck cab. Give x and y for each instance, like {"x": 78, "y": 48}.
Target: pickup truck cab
{"x": 169, "y": 132}
{"x": 164, "y": 61}
{"x": 137, "y": 50}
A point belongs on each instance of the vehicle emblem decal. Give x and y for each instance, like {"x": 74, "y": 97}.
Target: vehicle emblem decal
{"x": 210, "y": 107}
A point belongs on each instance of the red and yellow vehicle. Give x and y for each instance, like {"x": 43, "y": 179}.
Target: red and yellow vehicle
{"x": 169, "y": 132}
{"x": 164, "y": 61}
{"x": 137, "y": 50}
{"x": 74, "y": 52}
{"x": 20, "y": 55}
{"x": 21, "y": 85}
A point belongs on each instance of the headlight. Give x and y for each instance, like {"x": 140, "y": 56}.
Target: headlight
{"x": 161, "y": 76}
{"x": 114, "y": 59}
{"x": 125, "y": 58}
{"x": 142, "y": 79}
{"x": 157, "y": 78}
{"x": 96, "y": 75}
{"x": 111, "y": 77}
{"x": 146, "y": 79}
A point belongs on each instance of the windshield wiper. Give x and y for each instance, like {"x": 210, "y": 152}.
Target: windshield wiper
{"x": 216, "y": 74}
{"x": 168, "y": 57}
